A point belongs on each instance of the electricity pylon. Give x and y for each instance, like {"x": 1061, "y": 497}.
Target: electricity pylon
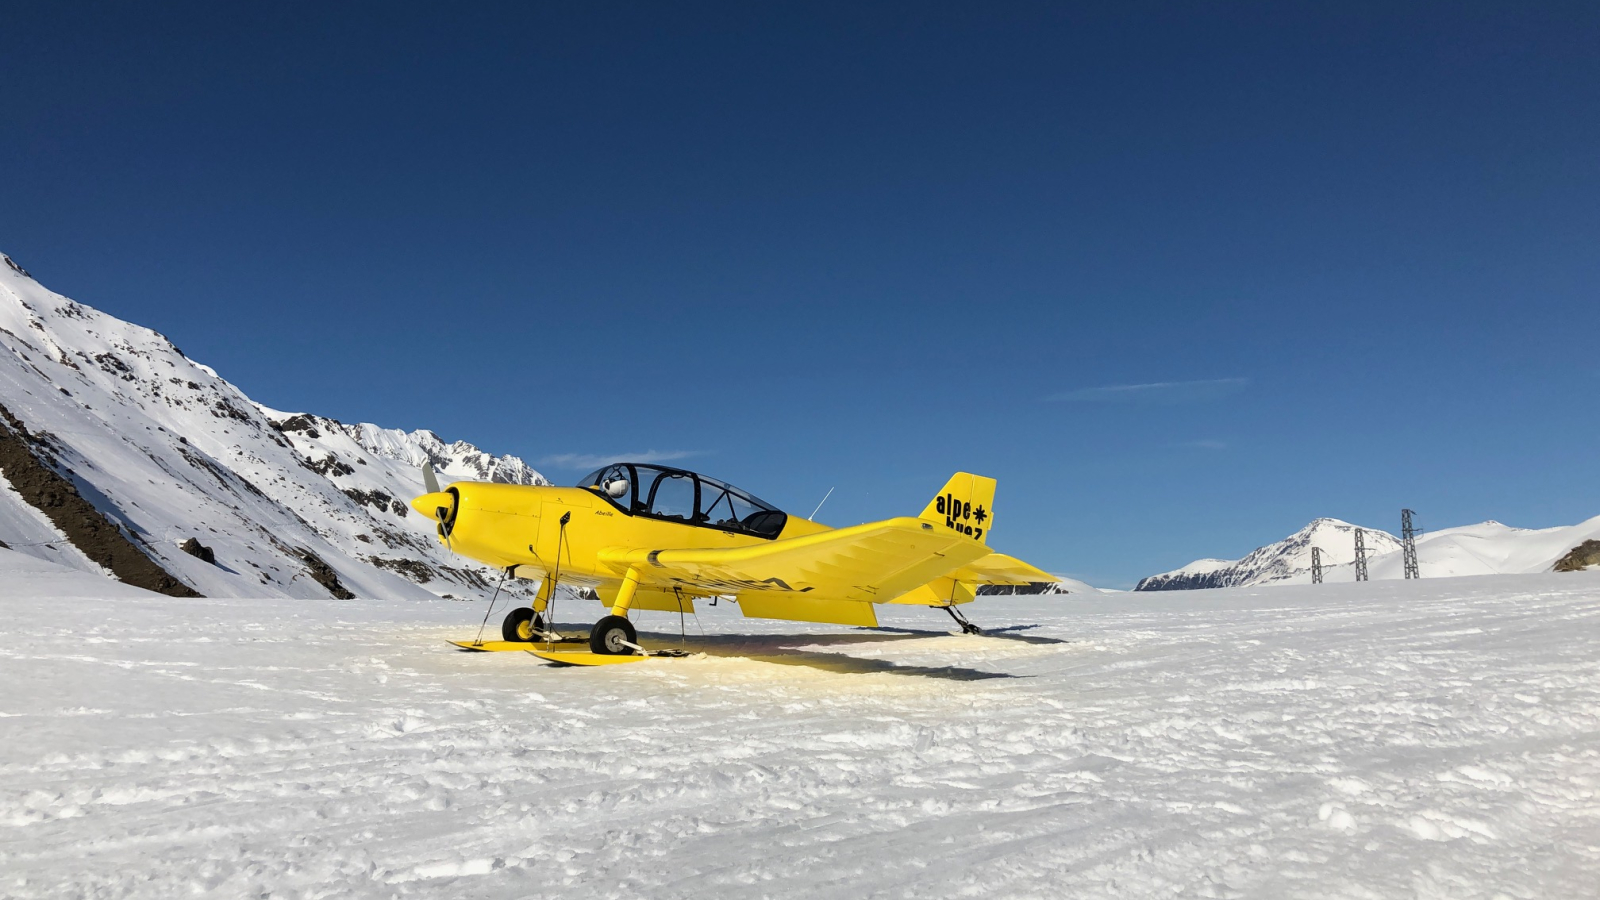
{"x": 1408, "y": 546}
{"x": 1361, "y": 555}
{"x": 1316, "y": 565}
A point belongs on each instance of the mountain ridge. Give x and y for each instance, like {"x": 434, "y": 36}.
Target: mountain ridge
{"x": 1486, "y": 548}
{"x": 166, "y": 450}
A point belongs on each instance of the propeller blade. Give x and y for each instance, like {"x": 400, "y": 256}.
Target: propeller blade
{"x": 430, "y": 480}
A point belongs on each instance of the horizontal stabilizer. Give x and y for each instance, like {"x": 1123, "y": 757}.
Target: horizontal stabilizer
{"x": 961, "y": 585}
{"x": 998, "y": 568}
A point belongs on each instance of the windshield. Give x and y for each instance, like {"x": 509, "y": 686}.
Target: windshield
{"x": 676, "y": 495}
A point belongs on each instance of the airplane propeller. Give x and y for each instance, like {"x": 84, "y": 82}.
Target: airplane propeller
{"x": 436, "y": 504}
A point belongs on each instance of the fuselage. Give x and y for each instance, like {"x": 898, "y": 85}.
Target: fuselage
{"x": 538, "y": 530}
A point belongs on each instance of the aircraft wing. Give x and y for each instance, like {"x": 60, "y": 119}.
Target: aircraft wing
{"x": 867, "y": 563}
{"x": 998, "y": 568}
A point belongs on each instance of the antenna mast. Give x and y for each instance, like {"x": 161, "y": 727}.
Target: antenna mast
{"x": 819, "y": 505}
{"x": 1316, "y": 565}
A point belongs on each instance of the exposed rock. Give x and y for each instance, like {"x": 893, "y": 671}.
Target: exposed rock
{"x": 470, "y": 577}
{"x": 416, "y": 570}
{"x": 194, "y": 548}
{"x": 301, "y": 423}
{"x": 328, "y": 466}
{"x": 378, "y": 500}
{"x": 75, "y": 517}
{"x": 323, "y": 574}
{"x": 1579, "y": 558}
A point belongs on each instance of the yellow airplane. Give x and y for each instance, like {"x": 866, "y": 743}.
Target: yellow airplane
{"x": 659, "y": 538}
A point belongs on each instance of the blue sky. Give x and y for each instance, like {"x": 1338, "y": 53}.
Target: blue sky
{"x": 1181, "y": 276}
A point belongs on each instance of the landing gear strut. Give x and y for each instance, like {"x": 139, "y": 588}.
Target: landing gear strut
{"x": 966, "y": 627}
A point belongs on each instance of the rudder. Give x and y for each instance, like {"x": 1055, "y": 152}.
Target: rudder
{"x": 965, "y": 505}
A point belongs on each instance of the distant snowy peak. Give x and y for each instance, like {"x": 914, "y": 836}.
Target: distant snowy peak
{"x": 1278, "y": 561}
{"x": 459, "y": 461}
{"x": 1487, "y": 548}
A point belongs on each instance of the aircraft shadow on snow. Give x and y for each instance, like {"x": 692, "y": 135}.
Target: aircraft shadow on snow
{"x": 799, "y": 649}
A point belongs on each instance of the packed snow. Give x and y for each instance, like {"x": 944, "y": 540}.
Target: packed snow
{"x": 1431, "y": 738}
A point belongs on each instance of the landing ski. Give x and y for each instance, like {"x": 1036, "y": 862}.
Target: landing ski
{"x": 584, "y": 657}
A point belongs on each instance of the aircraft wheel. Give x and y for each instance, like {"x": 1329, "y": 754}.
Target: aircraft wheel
{"x": 521, "y": 624}
{"x": 608, "y": 634}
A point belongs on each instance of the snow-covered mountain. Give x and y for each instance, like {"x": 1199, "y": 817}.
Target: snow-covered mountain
{"x": 116, "y": 449}
{"x": 1488, "y": 548}
{"x": 1278, "y": 561}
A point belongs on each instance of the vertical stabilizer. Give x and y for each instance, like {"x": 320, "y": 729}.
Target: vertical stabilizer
{"x": 965, "y": 505}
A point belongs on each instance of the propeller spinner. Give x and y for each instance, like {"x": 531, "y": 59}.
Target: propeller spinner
{"x": 436, "y": 504}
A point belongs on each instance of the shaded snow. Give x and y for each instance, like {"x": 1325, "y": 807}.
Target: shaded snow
{"x": 1395, "y": 739}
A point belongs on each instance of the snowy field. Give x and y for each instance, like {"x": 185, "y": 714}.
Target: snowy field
{"x": 1434, "y": 739}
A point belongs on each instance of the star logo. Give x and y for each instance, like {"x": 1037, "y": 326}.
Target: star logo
{"x": 980, "y": 515}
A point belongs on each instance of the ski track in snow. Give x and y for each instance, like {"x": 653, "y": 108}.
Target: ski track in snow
{"x": 1402, "y": 739}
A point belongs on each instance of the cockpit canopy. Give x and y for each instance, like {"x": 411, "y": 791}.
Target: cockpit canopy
{"x": 676, "y": 495}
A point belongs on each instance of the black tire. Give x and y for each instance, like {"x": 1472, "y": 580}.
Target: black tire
{"x": 607, "y": 633}
{"x": 521, "y": 624}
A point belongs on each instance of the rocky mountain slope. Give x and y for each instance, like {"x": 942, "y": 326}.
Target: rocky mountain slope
{"x": 116, "y": 449}
{"x": 1488, "y": 548}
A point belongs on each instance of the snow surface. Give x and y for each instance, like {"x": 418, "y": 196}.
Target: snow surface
{"x": 1395, "y": 739}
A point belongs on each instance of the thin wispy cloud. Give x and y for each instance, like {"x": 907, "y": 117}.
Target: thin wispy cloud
{"x": 1205, "y": 445}
{"x": 1156, "y": 392}
{"x": 596, "y": 460}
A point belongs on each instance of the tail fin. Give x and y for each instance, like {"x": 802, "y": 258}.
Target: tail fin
{"x": 966, "y": 505}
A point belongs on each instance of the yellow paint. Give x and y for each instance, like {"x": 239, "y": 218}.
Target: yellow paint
{"x": 492, "y": 646}
{"x": 630, "y": 584}
{"x": 809, "y": 572}
{"x": 807, "y": 609}
{"x": 584, "y": 658}
{"x": 945, "y": 591}
{"x": 965, "y": 505}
